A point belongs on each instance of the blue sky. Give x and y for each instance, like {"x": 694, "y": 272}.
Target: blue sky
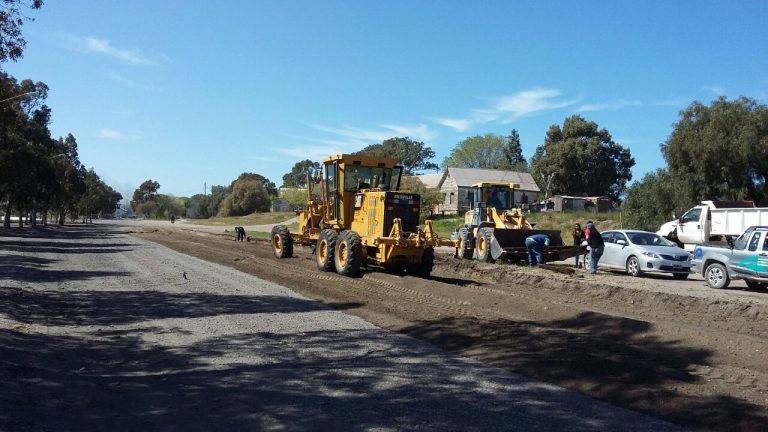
{"x": 194, "y": 93}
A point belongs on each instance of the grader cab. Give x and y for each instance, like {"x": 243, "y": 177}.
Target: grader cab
{"x": 361, "y": 219}
{"x": 494, "y": 229}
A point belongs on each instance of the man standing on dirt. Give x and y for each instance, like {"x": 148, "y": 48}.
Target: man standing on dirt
{"x": 537, "y": 244}
{"x": 595, "y": 242}
{"x": 240, "y": 231}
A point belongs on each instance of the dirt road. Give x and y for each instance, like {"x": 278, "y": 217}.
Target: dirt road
{"x": 103, "y": 331}
{"x": 689, "y": 354}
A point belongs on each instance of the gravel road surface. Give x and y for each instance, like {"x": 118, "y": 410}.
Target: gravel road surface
{"x": 103, "y": 331}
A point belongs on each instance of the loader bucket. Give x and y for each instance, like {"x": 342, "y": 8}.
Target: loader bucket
{"x": 510, "y": 243}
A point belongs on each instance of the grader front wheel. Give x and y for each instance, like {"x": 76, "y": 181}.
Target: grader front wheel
{"x": 326, "y": 244}
{"x": 348, "y": 253}
{"x": 282, "y": 243}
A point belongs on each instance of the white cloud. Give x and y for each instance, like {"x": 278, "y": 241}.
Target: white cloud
{"x": 112, "y": 134}
{"x": 507, "y": 109}
{"x": 459, "y": 125}
{"x": 716, "y": 90}
{"x": 103, "y": 46}
{"x": 526, "y": 102}
{"x": 609, "y": 106}
{"x": 362, "y": 137}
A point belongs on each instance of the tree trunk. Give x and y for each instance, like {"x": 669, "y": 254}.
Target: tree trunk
{"x": 21, "y": 218}
{"x": 33, "y": 218}
{"x": 7, "y": 219}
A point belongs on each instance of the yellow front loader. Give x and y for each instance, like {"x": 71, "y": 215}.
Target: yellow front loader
{"x": 494, "y": 229}
{"x": 361, "y": 219}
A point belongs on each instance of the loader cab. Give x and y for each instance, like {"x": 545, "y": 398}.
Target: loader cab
{"x": 485, "y": 195}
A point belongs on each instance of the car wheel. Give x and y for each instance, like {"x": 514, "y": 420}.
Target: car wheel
{"x": 716, "y": 276}
{"x": 680, "y": 276}
{"x": 633, "y": 267}
{"x": 756, "y": 285}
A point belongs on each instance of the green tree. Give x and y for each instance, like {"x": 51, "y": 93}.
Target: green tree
{"x": 652, "y": 201}
{"x": 297, "y": 178}
{"x": 12, "y": 17}
{"x": 720, "y": 151}
{"x": 513, "y": 152}
{"x": 99, "y": 199}
{"x": 248, "y": 196}
{"x": 412, "y": 155}
{"x": 145, "y": 192}
{"x": 169, "y": 205}
{"x": 217, "y": 196}
{"x": 581, "y": 159}
{"x": 487, "y": 151}
{"x": 267, "y": 185}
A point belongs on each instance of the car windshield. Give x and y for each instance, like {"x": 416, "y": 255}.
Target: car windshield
{"x": 648, "y": 239}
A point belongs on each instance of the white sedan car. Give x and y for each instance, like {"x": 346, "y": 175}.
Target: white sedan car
{"x": 638, "y": 252}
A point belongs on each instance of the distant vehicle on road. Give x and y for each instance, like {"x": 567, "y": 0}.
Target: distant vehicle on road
{"x": 745, "y": 258}
{"x": 638, "y": 252}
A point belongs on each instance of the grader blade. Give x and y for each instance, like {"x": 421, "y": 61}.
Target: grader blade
{"x": 510, "y": 243}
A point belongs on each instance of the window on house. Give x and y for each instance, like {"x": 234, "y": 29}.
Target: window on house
{"x": 451, "y": 198}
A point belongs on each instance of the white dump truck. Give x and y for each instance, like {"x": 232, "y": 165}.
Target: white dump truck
{"x": 713, "y": 221}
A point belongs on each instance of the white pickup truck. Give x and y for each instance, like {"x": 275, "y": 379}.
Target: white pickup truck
{"x": 713, "y": 221}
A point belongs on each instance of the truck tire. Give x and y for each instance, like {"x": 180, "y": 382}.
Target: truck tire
{"x": 424, "y": 268}
{"x": 716, "y": 276}
{"x": 282, "y": 242}
{"x": 326, "y": 244}
{"x": 348, "y": 254}
{"x": 633, "y": 267}
{"x": 755, "y": 285}
{"x": 483, "y": 245}
{"x": 466, "y": 243}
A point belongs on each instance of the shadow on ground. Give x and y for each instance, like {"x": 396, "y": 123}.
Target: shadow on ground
{"x": 337, "y": 380}
{"x": 126, "y": 307}
{"x": 606, "y": 357}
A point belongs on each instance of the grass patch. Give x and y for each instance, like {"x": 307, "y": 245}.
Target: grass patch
{"x": 251, "y": 219}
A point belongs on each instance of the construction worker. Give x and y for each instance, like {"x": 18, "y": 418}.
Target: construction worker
{"x": 537, "y": 245}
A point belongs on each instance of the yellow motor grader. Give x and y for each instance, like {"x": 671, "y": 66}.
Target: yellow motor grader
{"x": 361, "y": 219}
{"x": 494, "y": 229}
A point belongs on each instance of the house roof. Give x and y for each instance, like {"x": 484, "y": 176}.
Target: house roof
{"x": 466, "y": 177}
{"x": 431, "y": 181}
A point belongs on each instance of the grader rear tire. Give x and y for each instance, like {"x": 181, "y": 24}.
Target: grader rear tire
{"x": 282, "y": 242}
{"x": 326, "y": 244}
{"x": 348, "y": 254}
